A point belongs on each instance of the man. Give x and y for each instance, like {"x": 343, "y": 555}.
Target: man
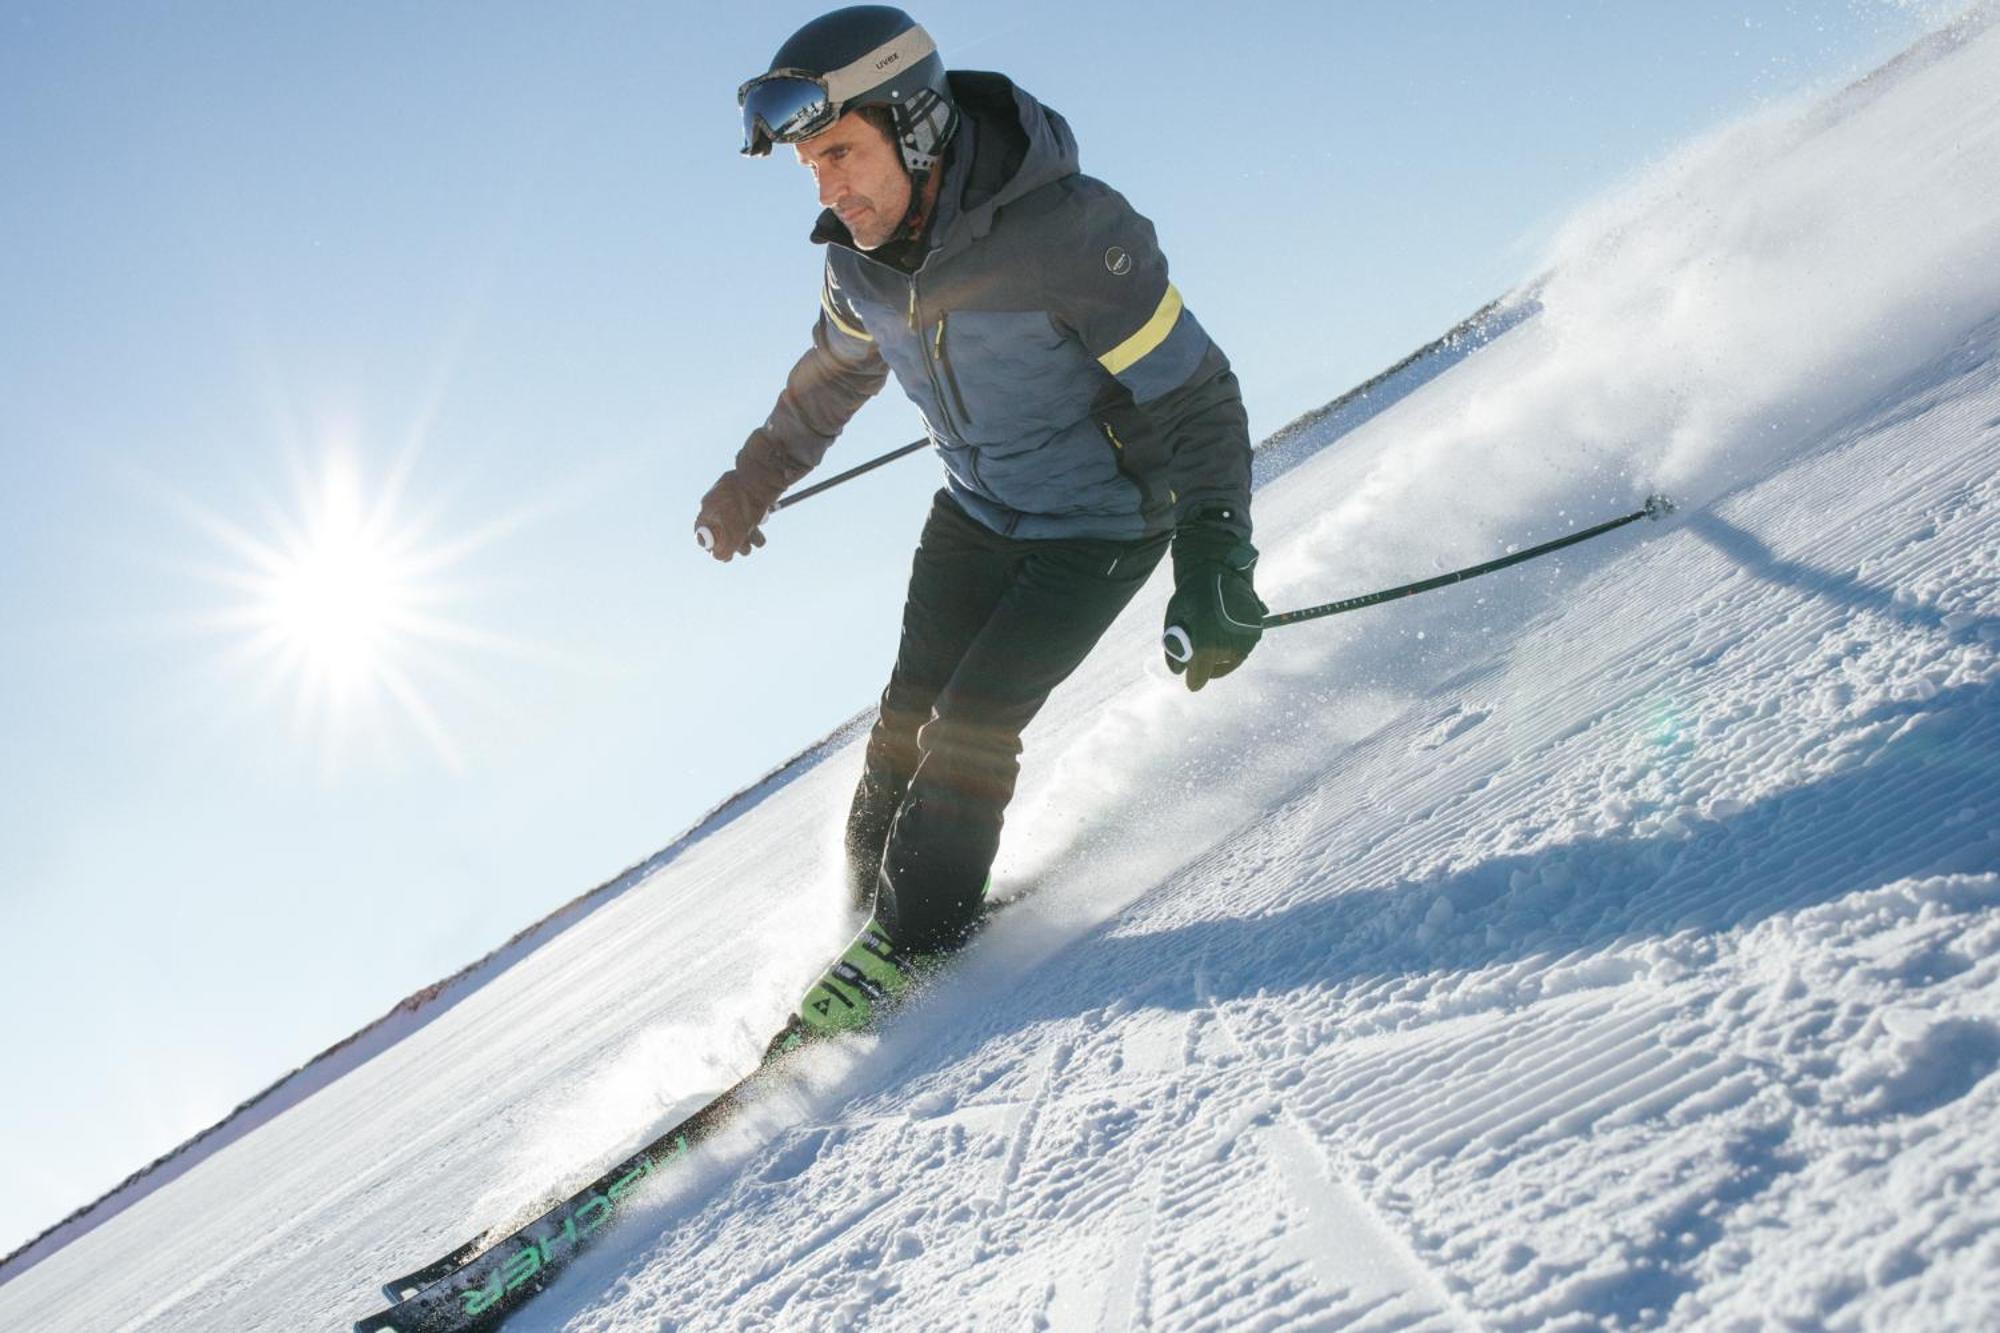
{"x": 1085, "y": 422}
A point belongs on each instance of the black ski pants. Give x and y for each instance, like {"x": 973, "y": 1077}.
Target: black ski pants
{"x": 991, "y": 626}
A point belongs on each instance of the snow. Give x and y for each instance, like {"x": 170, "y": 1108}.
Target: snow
{"x": 1612, "y": 942}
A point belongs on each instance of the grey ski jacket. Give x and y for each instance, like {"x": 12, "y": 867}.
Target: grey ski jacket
{"x": 1068, "y": 389}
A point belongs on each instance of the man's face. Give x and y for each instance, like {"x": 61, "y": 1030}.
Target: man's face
{"x": 860, "y": 177}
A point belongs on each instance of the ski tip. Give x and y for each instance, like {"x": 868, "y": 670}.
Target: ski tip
{"x": 1658, "y": 506}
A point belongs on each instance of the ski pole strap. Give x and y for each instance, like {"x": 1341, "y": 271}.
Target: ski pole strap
{"x": 1656, "y": 507}
{"x": 851, "y": 473}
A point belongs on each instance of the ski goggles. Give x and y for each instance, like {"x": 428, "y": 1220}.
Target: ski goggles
{"x": 793, "y": 105}
{"x": 784, "y": 106}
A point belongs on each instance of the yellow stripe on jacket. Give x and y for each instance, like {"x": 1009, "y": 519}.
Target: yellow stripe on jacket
{"x": 1150, "y": 335}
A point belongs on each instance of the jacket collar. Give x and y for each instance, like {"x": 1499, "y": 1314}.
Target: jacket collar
{"x": 1007, "y": 144}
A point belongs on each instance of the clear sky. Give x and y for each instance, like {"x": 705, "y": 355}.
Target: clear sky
{"x": 363, "y": 364}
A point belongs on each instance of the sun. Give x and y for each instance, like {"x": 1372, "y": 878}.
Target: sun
{"x": 341, "y": 593}
{"x": 340, "y": 614}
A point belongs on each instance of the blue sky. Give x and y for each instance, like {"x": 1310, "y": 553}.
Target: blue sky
{"x": 503, "y": 265}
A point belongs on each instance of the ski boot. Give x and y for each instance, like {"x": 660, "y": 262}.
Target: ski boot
{"x": 863, "y": 984}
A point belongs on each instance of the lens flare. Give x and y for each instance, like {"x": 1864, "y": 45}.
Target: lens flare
{"x": 340, "y": 605}
{"x": 340, "y": 596}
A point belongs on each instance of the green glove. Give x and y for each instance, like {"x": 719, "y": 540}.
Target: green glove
{"x": 1215, "y": 617}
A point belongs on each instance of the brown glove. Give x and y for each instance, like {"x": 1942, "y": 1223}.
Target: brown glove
{"x": 727, "y": 525}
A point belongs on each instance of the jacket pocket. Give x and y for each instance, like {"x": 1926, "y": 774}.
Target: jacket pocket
{"x": 1142, "y": 456}
{"x": 1011, "y": 377}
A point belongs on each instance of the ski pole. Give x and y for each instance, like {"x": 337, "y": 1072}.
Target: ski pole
{"x": 1657, "y": 506}
{"x": 1181, "y": 648}
{"x": 706, "y": 539}
{"x": 851, "y": 473}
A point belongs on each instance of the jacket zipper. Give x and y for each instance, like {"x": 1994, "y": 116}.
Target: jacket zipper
{"x": 932, "y": 360}
{"x": 950, "y": 376}
{"x": 932, "y": 355}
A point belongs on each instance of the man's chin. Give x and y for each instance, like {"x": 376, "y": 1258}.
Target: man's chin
{"x": 867, "y": 231}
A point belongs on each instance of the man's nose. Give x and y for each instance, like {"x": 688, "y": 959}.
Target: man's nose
{"x": 829, "y": 188}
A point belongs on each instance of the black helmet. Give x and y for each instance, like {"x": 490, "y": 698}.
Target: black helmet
{"x": 865, "y": 55}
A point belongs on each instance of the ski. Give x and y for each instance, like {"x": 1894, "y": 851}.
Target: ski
{"x": 475, "y": 1285}
{"x": 408, "y": 1285}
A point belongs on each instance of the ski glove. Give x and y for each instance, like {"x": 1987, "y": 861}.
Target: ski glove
{"x": 1215, "y": 617}
{"x": 727, "y": 527}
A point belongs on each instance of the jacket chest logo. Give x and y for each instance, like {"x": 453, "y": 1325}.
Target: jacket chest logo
{"x": 1117, "y": 261}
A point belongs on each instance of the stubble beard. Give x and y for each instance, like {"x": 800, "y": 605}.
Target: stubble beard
{"x": 876, "y": 234}
{"x": 882, "y": 221}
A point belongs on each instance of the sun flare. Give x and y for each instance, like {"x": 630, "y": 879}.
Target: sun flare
{"x": 338, "y": 594}
{"x": 340, "y": 610}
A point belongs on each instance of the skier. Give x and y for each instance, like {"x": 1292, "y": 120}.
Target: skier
{"x": 1085, "y": 421}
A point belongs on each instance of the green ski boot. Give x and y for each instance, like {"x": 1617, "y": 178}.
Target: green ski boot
{"x": 863, "y": 984}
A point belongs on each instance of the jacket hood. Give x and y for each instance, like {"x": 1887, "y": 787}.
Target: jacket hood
{"x": 1018, "y": 145}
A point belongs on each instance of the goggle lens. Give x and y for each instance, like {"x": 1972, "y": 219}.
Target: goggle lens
{"x": 782, "y": 109}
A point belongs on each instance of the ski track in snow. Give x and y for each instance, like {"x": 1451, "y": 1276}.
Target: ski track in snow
{"x": 1612, "y": 943}
{"x": 1670, "y": 964}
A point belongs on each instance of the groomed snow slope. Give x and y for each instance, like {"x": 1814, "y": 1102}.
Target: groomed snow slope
{"x": 1611, "y": 942}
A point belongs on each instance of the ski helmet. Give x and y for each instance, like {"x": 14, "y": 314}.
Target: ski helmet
{"x": 864, "y": 55}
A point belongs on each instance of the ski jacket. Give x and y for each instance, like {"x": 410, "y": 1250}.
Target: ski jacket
{"x": 1068, "y": 389}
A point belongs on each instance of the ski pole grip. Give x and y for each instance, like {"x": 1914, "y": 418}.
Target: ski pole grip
{"x": 704, "y": 537}
{"x": 1179, "y": 646}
